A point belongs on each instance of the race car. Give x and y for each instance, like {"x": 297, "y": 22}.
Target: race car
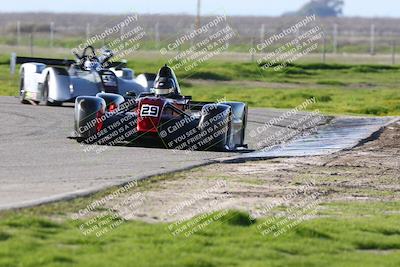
{"x": 163, "y": 116}
{"x": 55, "y": 81}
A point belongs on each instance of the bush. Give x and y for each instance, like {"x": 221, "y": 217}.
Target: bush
{"x": 238, "y": 218}
{"x": 205, "y": 75}
{"x": 331, "y": 82}
{"x": 295, "y": 71}
{"x": 376, "y": 110}
{"x": 324, "y": 98}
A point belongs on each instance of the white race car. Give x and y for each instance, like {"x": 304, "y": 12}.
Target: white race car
{"x": 55, "y": 81}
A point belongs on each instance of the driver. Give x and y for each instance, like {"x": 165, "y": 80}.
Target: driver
{"x": 166, "y": 84}
{"x": 91, "y": 65}
{"x": 165, "y": 87}
{"x": 90, "y": 61}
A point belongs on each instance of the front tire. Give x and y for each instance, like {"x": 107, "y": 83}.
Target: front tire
{"x": 221, "y": 142}
{"x": 216, "y": 122}
{"x": 87, "y": 110}
{"x": 46, "y": 98}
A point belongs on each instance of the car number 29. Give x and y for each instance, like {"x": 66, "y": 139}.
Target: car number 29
{"x": 149, "y": 111}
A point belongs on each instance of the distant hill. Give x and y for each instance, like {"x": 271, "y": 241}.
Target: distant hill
{"x": 321, "y": 8}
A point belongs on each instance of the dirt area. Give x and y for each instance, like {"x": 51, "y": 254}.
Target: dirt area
{"x": 269, "y": 85}
{"x": 253, "y": 84}
{"x": 370, "y": 172}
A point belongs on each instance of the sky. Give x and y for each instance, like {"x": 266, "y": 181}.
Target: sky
{"x": 363, "y": 8}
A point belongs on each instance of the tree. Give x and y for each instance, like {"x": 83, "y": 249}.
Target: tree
{"x": 322, "y": 8}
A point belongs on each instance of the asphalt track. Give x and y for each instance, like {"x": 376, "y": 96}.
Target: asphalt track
{"x": 40, "y": 164}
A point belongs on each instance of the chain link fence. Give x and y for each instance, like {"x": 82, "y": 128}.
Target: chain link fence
{"x": 342, "y": 36}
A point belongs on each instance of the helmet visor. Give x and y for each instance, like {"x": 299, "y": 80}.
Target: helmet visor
{"x": 163, "y": 91}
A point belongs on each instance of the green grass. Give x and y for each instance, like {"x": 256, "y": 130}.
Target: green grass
{"x": 379, "y": 102}
{"x": 366, "y": 238}
{"x": 338, "y": 88}
{"x": 343, "y": 234}
{"x": 8, "y": 83}
{"x": 308, "y": 74}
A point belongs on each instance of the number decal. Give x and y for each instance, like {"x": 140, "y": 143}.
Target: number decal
{"x": 149, "y": 111}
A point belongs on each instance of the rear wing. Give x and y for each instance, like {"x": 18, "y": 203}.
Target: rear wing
{"x": 47, "y": 61}
{"x": 15, "y": 60}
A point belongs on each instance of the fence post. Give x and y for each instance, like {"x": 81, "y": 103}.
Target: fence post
{"x": 192, "y": 29}
{"x": 372, "y": 40}
{"x": 324, "y": 49}
{"x": 335, "y": 36}
{"x": 18, "y": 32}
{"x": 31, "y": 43}
{"x": 122, "y": 31}
{"x": 87, "y": 31}
{"x": 393, "y": 52}
{"x": 51, "y": 34}
{"x": 262, "y": 33}
{"x": 157, "y": 35}
{"x": 13, "y": 63}
{"x": 252, "y": 45}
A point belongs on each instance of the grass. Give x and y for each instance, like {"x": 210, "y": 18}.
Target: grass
{"x": 307, "y": 73}
{"x": 338, "y": 88}
{"x": 8, "y": 83}
{"x": 379, "y": 102}
{"x": 348, "y": 234}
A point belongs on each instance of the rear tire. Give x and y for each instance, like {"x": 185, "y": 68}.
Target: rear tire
{"x": 22, "y": 88}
